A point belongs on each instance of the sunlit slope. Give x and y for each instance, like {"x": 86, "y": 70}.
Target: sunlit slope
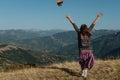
{"x": 102, "y": 70}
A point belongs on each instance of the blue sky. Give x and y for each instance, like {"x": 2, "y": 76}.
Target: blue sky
{"x": 46, "y": 15}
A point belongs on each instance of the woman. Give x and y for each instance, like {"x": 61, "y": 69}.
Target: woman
{"x": 86, "y": 58}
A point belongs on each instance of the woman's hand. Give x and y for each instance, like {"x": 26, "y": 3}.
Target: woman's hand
{"x": 68, "y": 17}
{"x": 100, "y": 15}
{"x": 97, "y": 18}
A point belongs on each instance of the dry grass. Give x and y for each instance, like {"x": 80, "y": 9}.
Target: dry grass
{"x": 102, "y": 70}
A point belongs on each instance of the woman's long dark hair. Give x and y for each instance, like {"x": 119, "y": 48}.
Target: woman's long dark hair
{"x": 86, "y": 32}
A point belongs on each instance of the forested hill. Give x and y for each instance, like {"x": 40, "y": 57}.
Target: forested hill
{"x": 105, "y": 42}
{"x": 58, "y": 40}
{"x": 13, "y": 35}
{"x": 107, "y": 45}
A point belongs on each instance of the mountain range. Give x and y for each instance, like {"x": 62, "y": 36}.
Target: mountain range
{"x": 31, "y": 47}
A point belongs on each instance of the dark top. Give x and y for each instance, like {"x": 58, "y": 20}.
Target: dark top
{"x": 83, "y": 41}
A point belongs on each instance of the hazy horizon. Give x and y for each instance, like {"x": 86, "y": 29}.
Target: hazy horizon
{"x": 54, "y": 29}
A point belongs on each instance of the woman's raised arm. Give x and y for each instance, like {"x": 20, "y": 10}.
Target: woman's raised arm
{"x": 72, "y": 22}
{"x": 95, "y": 21}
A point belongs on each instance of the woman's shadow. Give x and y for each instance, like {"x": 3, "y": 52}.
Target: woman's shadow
{"x": 69, "y": 71}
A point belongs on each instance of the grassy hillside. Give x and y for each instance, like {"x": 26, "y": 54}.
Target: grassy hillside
{"x": 102, "y": 70}
{"x": 13, "y": 54}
